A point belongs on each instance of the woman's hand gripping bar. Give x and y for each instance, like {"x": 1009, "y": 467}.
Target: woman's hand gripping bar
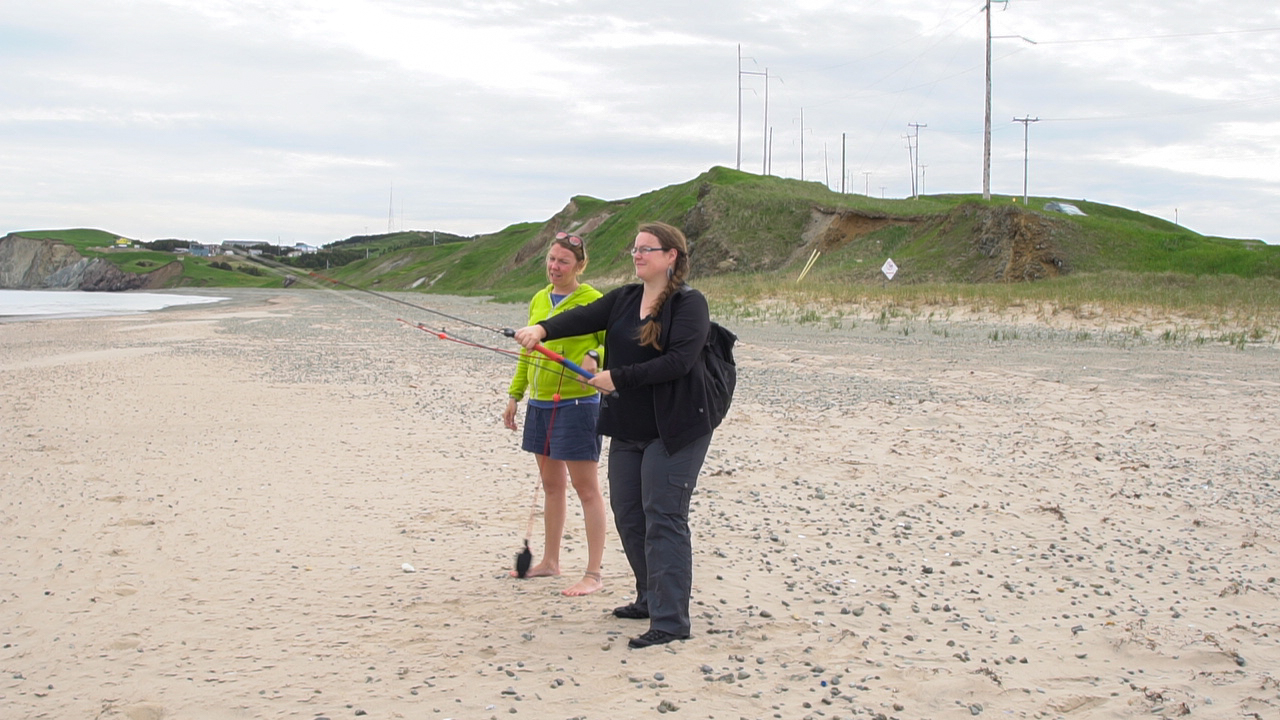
{"x": 557, "y": 357}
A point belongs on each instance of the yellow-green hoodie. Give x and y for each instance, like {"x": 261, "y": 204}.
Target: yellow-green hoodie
{"x": 542, "y": 377}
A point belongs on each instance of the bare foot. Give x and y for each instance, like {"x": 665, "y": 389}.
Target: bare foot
{"x": 590, "y": 582}
{"x": 542, "y": 569}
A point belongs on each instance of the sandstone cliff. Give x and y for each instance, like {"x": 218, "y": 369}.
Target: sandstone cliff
{"x": 39, "y": 264}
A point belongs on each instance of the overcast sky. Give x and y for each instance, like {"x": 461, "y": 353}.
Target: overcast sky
{"x": 314, "y": 120}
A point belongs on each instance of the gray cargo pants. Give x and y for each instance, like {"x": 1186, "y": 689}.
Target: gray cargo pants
{"x": 649, "y": 492}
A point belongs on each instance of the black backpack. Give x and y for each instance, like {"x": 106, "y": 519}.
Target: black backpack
{"x": 720, "y": 370}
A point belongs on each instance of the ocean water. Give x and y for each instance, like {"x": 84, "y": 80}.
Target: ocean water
{"x": 47, "y": 304}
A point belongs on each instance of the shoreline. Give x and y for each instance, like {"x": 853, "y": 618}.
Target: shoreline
{"x": 1040, "y": 320}
{"x": 208, "y": 508}
{"x": 37, "y": 304}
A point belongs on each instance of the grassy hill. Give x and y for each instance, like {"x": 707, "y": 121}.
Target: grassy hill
{"x": 393, "y": 241}
{"x": 92, "y": 243}
{"x": 748, "y": 226}
{"x": 196, "y": 272}
{"x": 753, "y": 232}
{"x": 225, "y": 270}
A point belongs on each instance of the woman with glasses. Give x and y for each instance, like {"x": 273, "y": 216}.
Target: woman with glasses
{"x": 658, "y": 421}
{"x": 560, "y": 423}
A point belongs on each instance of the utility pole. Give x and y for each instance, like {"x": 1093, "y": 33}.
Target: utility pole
{"x": 1026, "y": 123}
{"x": 986, "y": 118}
{"x": 911, "y": 163}
{"x": 801, "y": 144}
{"x": 741, "y": 72}
{"x": 737, "y": 163}
{"x": 826, "y": 167}
{"x": 842, "y": 170}
{"x": 768, "y": 131}
{"x": 915, "y": 184}
{"x": 866, "y": 183}
{"x": 767, "y": 138}
{"x": 768, "y": 153}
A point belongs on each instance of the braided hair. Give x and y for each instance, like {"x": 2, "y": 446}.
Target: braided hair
{"x": 671, "y": 239}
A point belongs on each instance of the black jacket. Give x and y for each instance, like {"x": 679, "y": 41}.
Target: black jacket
{"x": 676, "y": 375}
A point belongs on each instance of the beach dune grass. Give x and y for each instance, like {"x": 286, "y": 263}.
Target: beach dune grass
{"x": 1232, "y": 307}
{"x": 201, "y": 272}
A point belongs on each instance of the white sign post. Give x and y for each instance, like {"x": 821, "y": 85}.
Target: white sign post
{"x": 889, "y": 269}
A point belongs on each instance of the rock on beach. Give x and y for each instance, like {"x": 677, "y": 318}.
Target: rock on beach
{"x": 291, "y": 505}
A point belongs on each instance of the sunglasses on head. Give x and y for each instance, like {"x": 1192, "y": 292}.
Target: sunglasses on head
{"x": 573, "y": 240}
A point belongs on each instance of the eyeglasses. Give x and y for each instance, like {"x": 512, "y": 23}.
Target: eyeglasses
{"x": 573, "y": 240}
{"x": 645, "y": 250}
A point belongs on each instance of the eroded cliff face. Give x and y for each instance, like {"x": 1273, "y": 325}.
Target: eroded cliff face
{"x": 32, "y": 264}
{"x": 1021, "y": 245}
{"x": 980, "y": 243}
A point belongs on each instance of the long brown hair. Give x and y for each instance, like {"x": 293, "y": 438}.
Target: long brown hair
{"x": 670, "y": 238}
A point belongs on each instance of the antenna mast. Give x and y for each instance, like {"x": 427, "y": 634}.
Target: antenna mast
{"x": 391, "y": 209}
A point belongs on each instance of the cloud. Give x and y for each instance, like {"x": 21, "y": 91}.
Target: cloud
{"x": 293, "y": 119}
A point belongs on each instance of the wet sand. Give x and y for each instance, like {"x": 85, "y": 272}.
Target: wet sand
{"x": 206, "y": 512}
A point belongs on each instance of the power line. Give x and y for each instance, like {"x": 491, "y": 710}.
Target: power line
{"x": 1158, "y": 37}
{"x": 1167, "y": 113}
{"x": 914, "y": 61}
{"x": 965, "y": 16}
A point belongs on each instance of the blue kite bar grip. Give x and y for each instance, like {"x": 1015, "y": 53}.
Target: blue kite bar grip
{"x": 563, "y": 361}
{"x": 569, "y": 364}
{"x": 576, "y": 368}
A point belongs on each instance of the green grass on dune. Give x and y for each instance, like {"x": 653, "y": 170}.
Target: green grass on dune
{"x": 753, "y": 232}
{"x": 1119, "y": 259}
{"x": 87, "y": 241}
{"x": 198, "y": 272}
{"x": 1246, "y": 302}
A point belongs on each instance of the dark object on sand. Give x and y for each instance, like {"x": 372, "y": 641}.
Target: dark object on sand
{"x": 524, "y": 560}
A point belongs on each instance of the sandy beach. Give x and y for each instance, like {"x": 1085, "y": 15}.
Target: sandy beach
{"x": 207, "y": 511}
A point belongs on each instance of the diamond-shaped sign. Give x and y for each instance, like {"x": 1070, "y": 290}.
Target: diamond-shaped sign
{"x": 889, "y": 269}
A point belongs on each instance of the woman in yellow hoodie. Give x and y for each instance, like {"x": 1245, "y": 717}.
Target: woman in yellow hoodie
{"x": 567, "y": 410}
